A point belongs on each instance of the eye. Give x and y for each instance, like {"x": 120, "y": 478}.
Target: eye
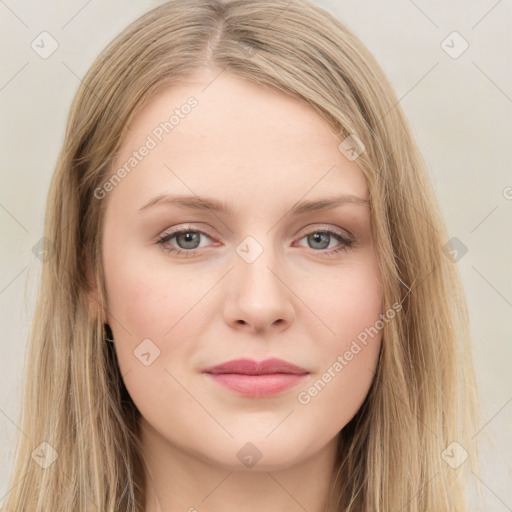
{"x": 322, "y": 239}
{"x": 188, "y": 241}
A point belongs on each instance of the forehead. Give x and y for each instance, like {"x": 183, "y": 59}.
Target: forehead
{"x": 238, "y": 139}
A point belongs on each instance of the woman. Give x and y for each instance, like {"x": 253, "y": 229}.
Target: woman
{"x": 194, "y": 348}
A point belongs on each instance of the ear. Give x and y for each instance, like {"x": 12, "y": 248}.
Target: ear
{"x": 93, "y": 295}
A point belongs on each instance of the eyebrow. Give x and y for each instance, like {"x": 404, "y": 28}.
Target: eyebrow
{"x": 193, "y": 202}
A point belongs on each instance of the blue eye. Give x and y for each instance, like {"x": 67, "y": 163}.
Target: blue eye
{"x": 189, "y": 240}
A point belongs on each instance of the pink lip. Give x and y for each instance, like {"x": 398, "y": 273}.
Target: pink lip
{"x": 251, "y": 378}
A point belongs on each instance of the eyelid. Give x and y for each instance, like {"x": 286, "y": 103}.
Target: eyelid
{"x": 184, "y": 228}
{"x": 314, "y": 228}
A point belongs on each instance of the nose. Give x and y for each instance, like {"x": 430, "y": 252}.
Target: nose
{"x": 258, "y": 297}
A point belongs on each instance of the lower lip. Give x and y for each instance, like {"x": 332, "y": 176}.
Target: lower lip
{"x": 257, "y": 385}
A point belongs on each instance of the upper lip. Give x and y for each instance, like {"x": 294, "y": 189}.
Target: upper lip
{"x": 251, "y": 367}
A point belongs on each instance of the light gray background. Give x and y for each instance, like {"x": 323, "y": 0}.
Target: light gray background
{"x": 460, "y": 110}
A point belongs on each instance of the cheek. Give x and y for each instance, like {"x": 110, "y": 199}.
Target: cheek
{"x": 147, "y": 296}
{"x": 351, "y": 306}
{"x": 348, "y": 301}
{"x": 150, "y": 308}
{"x": 358, "y": 303}
{"x": 148, "y": 302}
{"x": 332, "y": 397}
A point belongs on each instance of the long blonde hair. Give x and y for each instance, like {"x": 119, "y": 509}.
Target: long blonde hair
{"x": 423, "y": 397}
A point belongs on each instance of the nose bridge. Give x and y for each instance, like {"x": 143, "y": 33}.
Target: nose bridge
{"x": 255, "y": 265}
{"x": 258, "y": 295}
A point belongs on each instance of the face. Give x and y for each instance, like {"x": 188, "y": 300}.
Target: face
{"x": 222, "y": 242}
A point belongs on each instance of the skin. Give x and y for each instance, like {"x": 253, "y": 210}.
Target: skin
{"x": 260, "y": 151}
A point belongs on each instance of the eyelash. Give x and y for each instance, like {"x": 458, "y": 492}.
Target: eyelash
{"x": 163, "y": 241}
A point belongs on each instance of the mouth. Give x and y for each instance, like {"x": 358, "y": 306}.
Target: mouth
{"x": 250, "y": 378}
